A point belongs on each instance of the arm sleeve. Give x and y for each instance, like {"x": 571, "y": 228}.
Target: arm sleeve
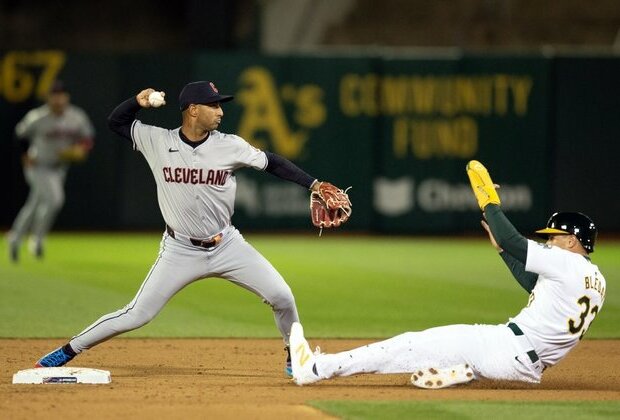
{"x": 514, "y": 246}
{"x": 122, "y": 117}
{"x": 505, "y": 234}
{"x": 285, "y": 169}
{"x": 526, "y": 279}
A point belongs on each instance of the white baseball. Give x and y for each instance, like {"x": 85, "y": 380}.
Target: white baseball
{"x": 156, "y": 99}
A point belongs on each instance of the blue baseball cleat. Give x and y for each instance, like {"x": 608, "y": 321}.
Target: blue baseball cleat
{"x": 59, "y": 357}
{"x": 288, "y": 368}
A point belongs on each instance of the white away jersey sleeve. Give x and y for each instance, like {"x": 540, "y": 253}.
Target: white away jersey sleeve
{"x": 248, "y": 155}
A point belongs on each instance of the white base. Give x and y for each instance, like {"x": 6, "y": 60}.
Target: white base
{"x": 62, "y": 375}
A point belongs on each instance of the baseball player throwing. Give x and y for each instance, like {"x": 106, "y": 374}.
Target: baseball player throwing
{"x": 194, "y": 169}
{"x": 59, "y": 133}
{"x": 566, "y": 290}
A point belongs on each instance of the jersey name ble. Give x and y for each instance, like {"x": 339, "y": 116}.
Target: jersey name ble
{"x": 195, "y": 176}
{"x": 595, "y": 284}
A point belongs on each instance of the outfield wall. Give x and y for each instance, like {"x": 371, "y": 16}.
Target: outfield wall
{"x": 398, "y": 130}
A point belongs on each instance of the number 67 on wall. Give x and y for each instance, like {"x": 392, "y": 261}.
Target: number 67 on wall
{"x": 24, "y": 74}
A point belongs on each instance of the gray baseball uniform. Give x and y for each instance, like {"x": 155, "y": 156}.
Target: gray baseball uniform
{"x": 196, "y": 187}
{"x": 50, "y": 135}
{"x": 196, "y": 192}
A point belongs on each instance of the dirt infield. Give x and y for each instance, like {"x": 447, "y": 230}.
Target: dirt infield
{"x": 243, "y": 378}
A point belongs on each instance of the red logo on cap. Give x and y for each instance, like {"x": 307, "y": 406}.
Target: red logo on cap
{"x": 214, "y": 88}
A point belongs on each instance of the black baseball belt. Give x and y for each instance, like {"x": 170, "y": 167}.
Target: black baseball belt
{"x": 204, "y": 243}
{"x": 517, "y": 331}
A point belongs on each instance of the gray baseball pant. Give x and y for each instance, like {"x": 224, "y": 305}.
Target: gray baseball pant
{"x": 180, "y": 264}
{"x": 44, "y": 201}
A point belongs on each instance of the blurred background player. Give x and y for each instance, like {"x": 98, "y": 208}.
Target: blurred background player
{"x": 566, "y": 292}
{"x": 53, "y": 135}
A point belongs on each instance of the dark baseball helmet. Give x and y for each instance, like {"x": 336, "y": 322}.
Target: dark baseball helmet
{"x": 571, "y": 223}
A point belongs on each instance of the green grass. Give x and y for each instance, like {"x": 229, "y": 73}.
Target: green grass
{"x": 372, "y": 287}
{"x": 344, "y": 286}
{"x": 466, "y": 410}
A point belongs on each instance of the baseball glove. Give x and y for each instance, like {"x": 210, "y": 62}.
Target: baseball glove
{"x": 73, "y": 154}
{"x": 484, "y": 189}
{"x": 329, "y": 206}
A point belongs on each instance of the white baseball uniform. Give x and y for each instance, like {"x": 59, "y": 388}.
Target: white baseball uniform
{"x": 569, "y": 292}
{"x": 49, "y": 136}
{"x": 196, "y": 192}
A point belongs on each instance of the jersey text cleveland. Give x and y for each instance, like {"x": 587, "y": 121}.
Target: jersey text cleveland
{"x": 195, "y": 176}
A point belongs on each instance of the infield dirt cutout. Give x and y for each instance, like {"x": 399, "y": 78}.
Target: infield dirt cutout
{"x": 244, "y": 378}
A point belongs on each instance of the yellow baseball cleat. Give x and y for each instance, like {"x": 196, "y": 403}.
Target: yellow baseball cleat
{"x": 481, "y": 184}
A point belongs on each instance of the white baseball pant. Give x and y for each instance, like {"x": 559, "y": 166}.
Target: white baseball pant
{"x": 492, "y": 351}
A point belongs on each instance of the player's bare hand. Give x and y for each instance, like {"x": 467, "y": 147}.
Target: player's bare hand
{"x": 143, "y": 97}
{"x": 486, "y": 227}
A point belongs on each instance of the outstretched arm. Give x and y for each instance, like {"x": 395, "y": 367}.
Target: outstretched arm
{"x": 329, "y": 205}
{"x": 504, "y": 237}
{"x": 526, "y": 279}
{"x": 285, "y": 169}
{"x": 505, "y": 234}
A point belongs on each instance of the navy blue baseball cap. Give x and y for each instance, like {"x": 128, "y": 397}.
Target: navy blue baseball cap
{"x": 58, "y": 86}
{"x": 201, "y": 93}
